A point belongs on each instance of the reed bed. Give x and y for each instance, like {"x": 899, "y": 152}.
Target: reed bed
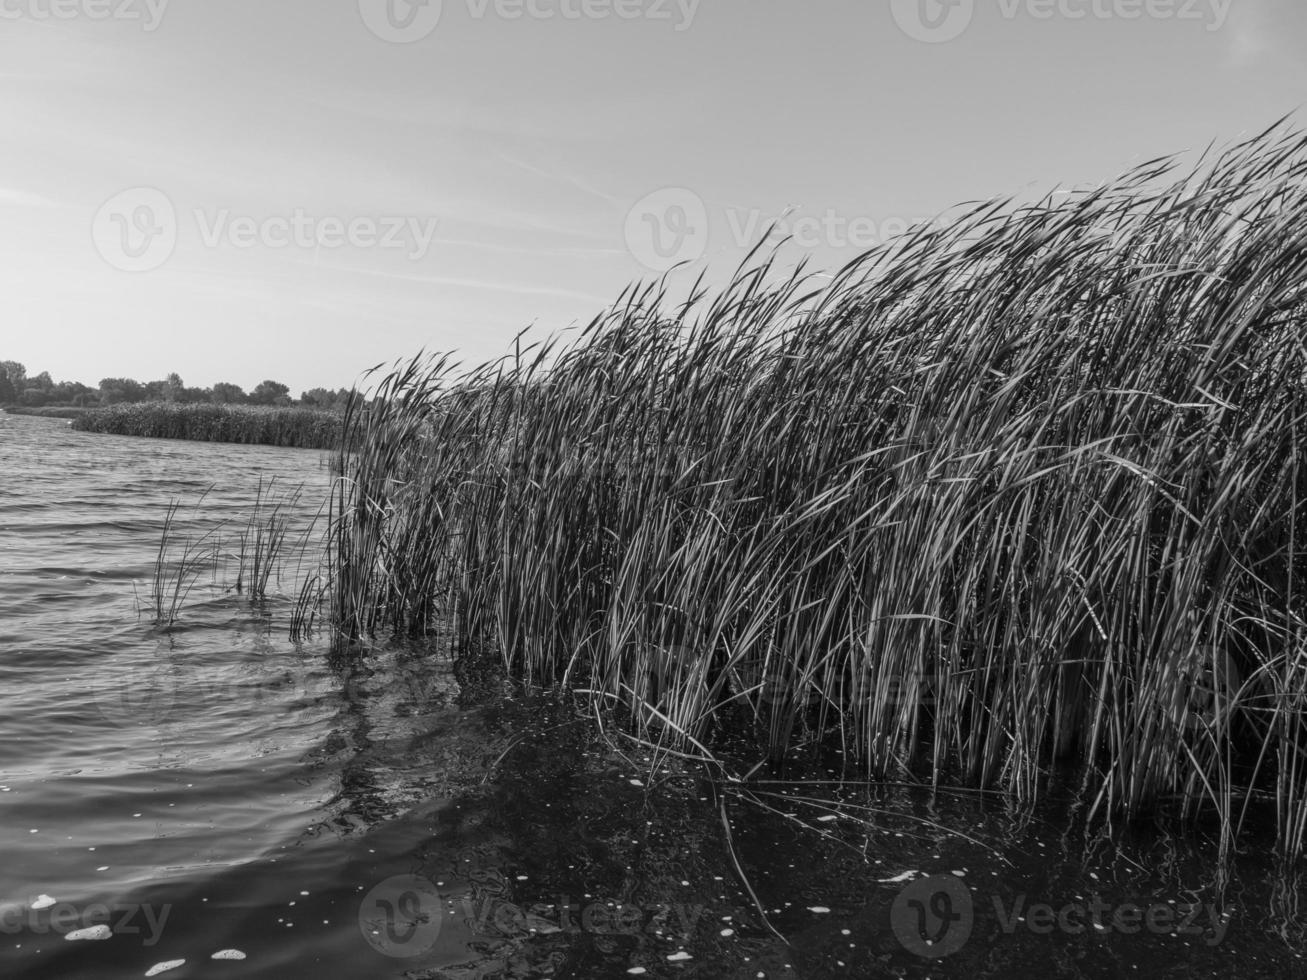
{"x": 261, "y": 544}
{"x": 1012, "y": 494}
{"x": 291, "y": 427}
{"x": 270, "y": 535}
{"x": 180, "y": 564}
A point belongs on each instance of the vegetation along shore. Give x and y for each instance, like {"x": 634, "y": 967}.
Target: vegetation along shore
{"x": 1015, "y": 493}
{"x": 303, "y": 428}
{"x": 170, "y": 409}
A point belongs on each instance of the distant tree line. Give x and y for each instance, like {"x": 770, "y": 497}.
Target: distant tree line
{"x": 41, "y": 391}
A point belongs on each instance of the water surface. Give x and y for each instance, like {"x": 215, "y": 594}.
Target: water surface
{"x": 214, "y": 787}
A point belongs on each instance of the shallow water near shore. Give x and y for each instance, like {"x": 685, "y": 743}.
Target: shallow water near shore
{"x": 305, "y": 812}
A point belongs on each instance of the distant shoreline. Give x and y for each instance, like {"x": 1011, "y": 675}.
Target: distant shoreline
{"x": 298, "y": 428}
{"x": 57, "y": 412}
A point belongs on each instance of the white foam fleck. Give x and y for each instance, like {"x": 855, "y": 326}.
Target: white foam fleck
{"x": 164, "y": 967}
{"x": 42, "y": 902}
{"x": 228, "y": 954}
{"x": 678, "y": 957}
{"x": 897, "y": 878}
{"x": 94, "y": 933}
{"x": 819, "y": 909}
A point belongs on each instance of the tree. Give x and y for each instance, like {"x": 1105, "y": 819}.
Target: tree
{"x": 7, "y": 393}
{"x": 17, "y": 374}
{"x": 116, "y": 391}
{"x": 69, "y": 392}
{"x": 326, "y": 398}
{"x": 270, "y": 393}
{"x": 42, "y": 381}
{"x": 173, "y": 387}
{"x": 225, "y": 393}
{"x": 34, "y": 398}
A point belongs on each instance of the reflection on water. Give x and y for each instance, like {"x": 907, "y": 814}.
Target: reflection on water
{"x": 220, "y": 801}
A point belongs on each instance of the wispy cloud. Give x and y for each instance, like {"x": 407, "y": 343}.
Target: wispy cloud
{"x": 570, "y": 180}
{"x": 463, "y": 282}
{"x": 17, "y": 197}
{"x": 541, "y": 250}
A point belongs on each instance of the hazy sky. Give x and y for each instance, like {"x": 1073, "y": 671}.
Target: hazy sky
{"x": 299, "y": 189}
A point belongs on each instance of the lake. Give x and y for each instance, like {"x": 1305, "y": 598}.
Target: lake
{"x": 299, "y": 810}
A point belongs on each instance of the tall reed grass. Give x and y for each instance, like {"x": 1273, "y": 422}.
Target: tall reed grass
{"x": 179, "y": 565}
{"x": 261, "y": 544}
{"x": 291, "y": 427}
{"x": 274, "y": 531}
{"x": 1013, "y": 492}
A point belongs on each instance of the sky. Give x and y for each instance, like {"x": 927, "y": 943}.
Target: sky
{"x": 301, "y": 189}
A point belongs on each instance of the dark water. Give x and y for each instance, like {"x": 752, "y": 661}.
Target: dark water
{"x": 215, "y": 787}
